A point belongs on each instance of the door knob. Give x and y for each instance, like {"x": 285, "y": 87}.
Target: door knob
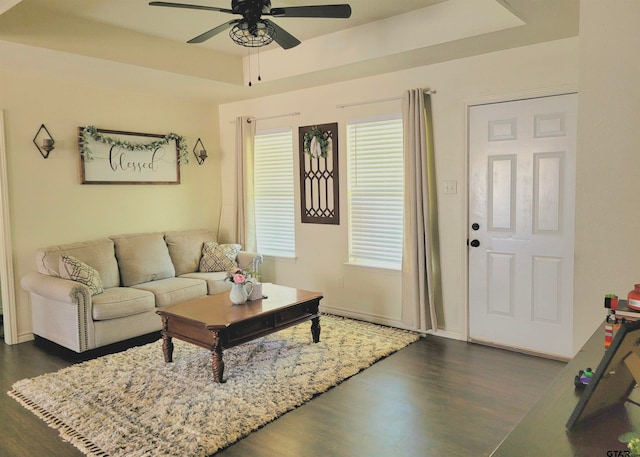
{"x": 475, "y": 243}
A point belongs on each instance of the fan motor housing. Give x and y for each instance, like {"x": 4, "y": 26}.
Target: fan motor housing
{"x": 251, "y": 10}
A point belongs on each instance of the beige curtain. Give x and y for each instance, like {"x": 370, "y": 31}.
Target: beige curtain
{"x": 420, "y": 257}
{"x": 245, "y": 212}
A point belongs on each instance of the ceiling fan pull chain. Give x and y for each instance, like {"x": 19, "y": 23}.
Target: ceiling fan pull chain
{"x": 259, "y": 77}
{"x": 250, "y": 74}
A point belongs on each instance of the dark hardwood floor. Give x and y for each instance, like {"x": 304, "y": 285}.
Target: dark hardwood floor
{"x": 437, "y": 397}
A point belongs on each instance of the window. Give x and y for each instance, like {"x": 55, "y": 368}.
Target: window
{"x": 273, "y": 186}
{"x": 376, "y": 192}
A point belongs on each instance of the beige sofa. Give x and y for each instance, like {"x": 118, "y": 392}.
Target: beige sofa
{"x": 89, "y": 294}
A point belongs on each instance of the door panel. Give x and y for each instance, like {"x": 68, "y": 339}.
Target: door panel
{"x": 521, "y": 195}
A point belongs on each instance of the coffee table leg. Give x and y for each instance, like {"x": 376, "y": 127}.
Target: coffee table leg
{"x": 217, "y": 364}
{"x": 167, "y": 344}
{"x": 167, "y": 348}
{"x": 315, "y": 329}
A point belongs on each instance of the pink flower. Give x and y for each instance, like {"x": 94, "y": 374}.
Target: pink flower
{"x": 238, "y": 278}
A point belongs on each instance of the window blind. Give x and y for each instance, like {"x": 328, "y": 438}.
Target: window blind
{"x": 376, "y": 192}
{"x": 273, "y": 186}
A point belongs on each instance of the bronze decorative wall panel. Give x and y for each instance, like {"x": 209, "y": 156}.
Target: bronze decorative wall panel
{"x": 319, "y": 180}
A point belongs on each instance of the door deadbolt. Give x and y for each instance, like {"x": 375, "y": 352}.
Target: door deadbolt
{"x": 475, "y": 226}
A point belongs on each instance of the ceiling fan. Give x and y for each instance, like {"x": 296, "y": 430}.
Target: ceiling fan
{"x": 255, "y": 31}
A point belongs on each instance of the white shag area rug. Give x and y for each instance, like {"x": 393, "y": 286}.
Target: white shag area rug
{"x": 133, "y": 404}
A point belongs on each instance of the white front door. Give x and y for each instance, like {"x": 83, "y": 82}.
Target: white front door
{"x": 522, "y": 158}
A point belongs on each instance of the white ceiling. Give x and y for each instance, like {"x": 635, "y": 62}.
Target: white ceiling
{"x": 183, "y": 24}
{"x": 380, "y": 36}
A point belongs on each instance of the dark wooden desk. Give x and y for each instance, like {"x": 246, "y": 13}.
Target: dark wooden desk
{"x": 542, "y": 431}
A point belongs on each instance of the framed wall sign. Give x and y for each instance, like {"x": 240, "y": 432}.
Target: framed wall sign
{"x": 320, "y": 199}
{"x": 116, "y": 157}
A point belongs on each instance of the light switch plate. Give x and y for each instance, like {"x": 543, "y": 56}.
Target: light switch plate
{"x": 450, "y": 187}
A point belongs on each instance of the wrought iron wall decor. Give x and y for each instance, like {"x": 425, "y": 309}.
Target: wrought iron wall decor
{"x": 200, "y": 152}
{"x": 319, "y": 180}
{"x": 44, "y": 141}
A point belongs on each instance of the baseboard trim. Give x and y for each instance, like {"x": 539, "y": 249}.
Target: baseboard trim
{"x": 447, "y": 334}
{"x": 506, "y": 347}
{"x": 24, "y": 337}
{"x": 383, "y": 320}
{"x": 375, "y": 319}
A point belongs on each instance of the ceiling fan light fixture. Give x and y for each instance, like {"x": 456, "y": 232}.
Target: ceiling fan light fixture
{"x": 252, "y": 31}
{"x": 252, "y": 36}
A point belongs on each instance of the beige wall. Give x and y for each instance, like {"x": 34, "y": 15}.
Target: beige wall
{"x": 48, "y": 203}
{"x": 608, "y": 188}
{"x": 321, "y": 249}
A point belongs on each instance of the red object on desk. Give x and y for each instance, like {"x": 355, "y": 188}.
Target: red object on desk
{"x": 608, "y": 335}
{"x": 633, "y": 298}
{"x": 611, "y": 301}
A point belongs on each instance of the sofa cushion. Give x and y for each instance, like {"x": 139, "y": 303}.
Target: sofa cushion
{"x": 218, "y": 257}
{"x": 174, "y": 290}
{"x": 121, "y": 302}
{"x": 142, "y": 257}
{"x": 215, "y": 281}
{"x": 76, "y": 270}
{"x": 185, "y": 248}
{"x": 99, "y": 254}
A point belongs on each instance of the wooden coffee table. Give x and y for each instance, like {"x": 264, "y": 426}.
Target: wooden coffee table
{"x": 214, "y": 323}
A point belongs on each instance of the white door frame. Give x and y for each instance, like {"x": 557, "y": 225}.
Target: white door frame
{"x": 466, "y": 105}
{"x": 6, "y": 253}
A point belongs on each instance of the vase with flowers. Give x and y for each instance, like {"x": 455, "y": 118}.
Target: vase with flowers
{"x": 241, "y": 287}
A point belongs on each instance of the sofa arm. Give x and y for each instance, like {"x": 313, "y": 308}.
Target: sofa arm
{"x": 54, "y": 288}
{"x": 251, "y": 260}
{"x": 60, "y": 310}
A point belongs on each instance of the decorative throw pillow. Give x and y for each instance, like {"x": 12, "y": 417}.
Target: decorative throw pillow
{"x": 77, "y": 270}
{"x": 219, "y": 257}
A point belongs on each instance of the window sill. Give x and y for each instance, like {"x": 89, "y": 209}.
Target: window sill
{"x": 376, "y": 266}
{"x": 277, "y": 258}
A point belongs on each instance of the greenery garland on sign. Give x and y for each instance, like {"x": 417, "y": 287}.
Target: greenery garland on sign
{"x": 91, "y": 132}
{"x": 322, "y": 139}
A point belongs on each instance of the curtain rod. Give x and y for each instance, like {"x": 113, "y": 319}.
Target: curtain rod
{"x": 380, "y": 100}
{"x": 254, "y": 119}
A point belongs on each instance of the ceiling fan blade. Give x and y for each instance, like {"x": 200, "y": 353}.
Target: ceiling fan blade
{"x": 193, "y": 7}
{"x": 283, "y": 38}
{"x": 213, "y": 32}
{"x": 328, "y": 11}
